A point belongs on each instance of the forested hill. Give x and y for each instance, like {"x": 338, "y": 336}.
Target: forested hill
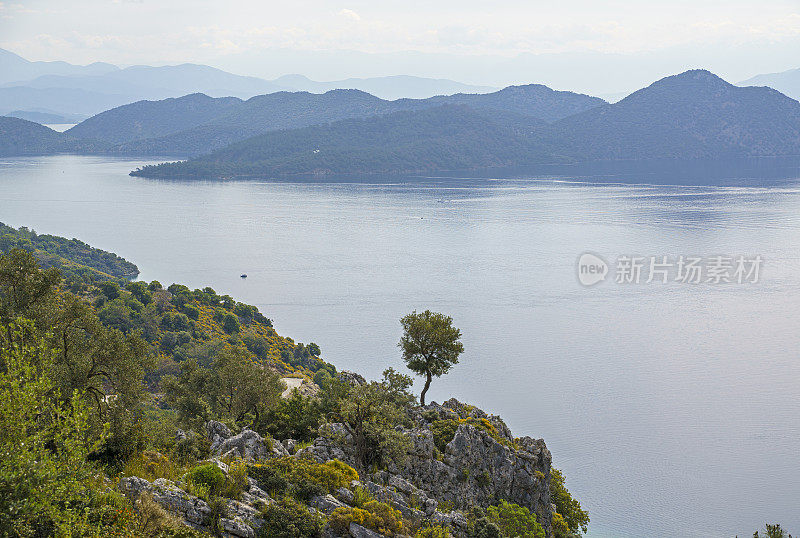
{"x": 149, "y": 119}
{"x": 442, "y": 138}
{"x": 535, "y": 100}
{"x": 688, "y": 116}
{"x": 260, "y": 114}
{"x": 199, "y": 124}
{"x": 77, "y": 261}
{"x": 22, "y": 137}
{"x": 692, "y": 115}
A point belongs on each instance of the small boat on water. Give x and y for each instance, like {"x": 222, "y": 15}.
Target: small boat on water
{"x": 244, "y": 276}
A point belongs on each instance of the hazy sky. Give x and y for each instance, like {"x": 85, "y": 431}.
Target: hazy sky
{"x": 238, "y": 33}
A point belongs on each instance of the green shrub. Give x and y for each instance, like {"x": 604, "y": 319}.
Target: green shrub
{"x": 301, "y": 478}
{"x": 375, "y": 515}
{"x": 433, "y": 532}
{"x": 515, "y": 520}
{"x": 218, "y": 508}
{"x": 322, "y": 377}
{"x": 236, "y": 481}
{"x": 109, "y": 289}
{"x": 296, "y": 417}
{"x": 430, "y": 415}
{"x": 443, "y": 432}
{"x": 289, "y": 519}
{"x": 209, "y": 476}
{"x": 150, "y": 465}
{"x": 569, "y": 510}
{"x": 230, "y": 324}
{"x": 191, "y": 311}
{"x": 140, "y": 291}
{"x": 191, "y": 449}
{"x": 361, "y": 496}
{"x": 483, "y": 479}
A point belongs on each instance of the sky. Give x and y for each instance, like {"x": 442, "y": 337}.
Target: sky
{"x": 466, "y": 39}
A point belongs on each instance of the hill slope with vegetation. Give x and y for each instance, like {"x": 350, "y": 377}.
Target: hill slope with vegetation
{"x": 442, "y": 138}
{"x": 78, "y": 262}
{"x": 692, "y": 115}
{"x": 150, "y": 119}
{"x": 22, "y": 137}
{"x": 157, "y": 412}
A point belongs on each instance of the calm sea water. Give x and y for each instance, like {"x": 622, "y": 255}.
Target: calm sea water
{"x": 674, "y": 410}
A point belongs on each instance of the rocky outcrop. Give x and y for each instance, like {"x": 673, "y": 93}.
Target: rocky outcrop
{"x": 479, "y": 465}
{"x": 247, "y": 445}
{"x": 238, "y": 520}
{"x": 482, "y": 463}
{"x": 351, "y": 378}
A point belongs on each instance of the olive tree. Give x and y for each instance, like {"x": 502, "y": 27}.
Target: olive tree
{"x": 430, "y": 344}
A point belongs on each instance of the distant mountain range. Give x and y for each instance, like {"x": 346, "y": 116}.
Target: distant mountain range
{"x": 688, "y": 116}
{"x": 45, "y": 117}
{"x": 786, "y": 82}
{"x": 197, "y": 124}
{"x": 64, "y": 89}
{"x": 692, "y": 115}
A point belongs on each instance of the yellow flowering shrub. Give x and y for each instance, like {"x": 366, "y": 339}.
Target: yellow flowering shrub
{"x": 375, "y": 515}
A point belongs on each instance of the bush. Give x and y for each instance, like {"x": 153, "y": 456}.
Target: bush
{"x": 515, "y": 520}
{"x": 181, "y": 532}
{"x": 257, "y": 345}
{"x": 116, "y": 314}
{"x": 361, "y": 496}
{"x": 288, "y": 519}
{"x": 322, "y": 377}
{"x": 150, "y": 465}
{"x": 301, "y": 478}
{"x": 141, "y": 291}
{"x": 191, "y": 449}
{"x": 236, "y": 482}
{"x": 230, "y": 324}
{"x": 151, "y": 518}
{"x": 191, "y": 311}
{"x": 296, "y": 417}
{"x": 443, "y": 432}
{"x": 175, "y": 321}
{"x": 375, "y": 515}
{"x": 109, "y": 289}
{"x": 433, "y": 532}
{"x": 171, "y": 340}
{"x": 208, "y": 476}
{"x": 569, "y": 509}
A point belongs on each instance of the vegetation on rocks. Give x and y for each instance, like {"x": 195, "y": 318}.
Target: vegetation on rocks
{"x": 375, "y": 515}
{"x": 301, "y": 478}
{"x": 129, "y": 410}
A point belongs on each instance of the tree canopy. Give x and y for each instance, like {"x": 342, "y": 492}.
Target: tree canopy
{"x": 430, "y": 344}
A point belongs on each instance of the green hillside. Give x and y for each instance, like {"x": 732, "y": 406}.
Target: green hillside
{"x": 77, "y": 261}
{"x": 22, "y": 137}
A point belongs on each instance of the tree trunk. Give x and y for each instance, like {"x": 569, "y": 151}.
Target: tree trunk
{"x": 425, "y": 389}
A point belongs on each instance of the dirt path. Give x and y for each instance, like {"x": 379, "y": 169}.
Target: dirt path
{"x": 291, "y": 384}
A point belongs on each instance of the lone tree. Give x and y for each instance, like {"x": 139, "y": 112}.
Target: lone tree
{"x": 430, "y": 344}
